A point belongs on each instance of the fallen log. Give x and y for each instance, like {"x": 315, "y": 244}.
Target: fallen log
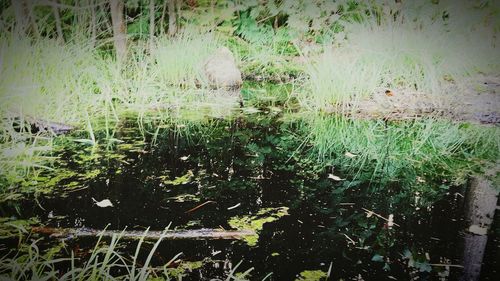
{"x": 45, "y": 125}
{"x": 40, "y": 125}
{"x": 203, "y": 233}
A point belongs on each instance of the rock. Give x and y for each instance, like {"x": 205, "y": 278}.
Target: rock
{"x": 221, "y": 71}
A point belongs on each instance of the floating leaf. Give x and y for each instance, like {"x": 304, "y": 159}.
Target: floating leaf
{"x": 234, "y": 207}
{"x": 334, "y": 177}
{"x": 390, "y": 221}
{"x": 378, "y": 258}
{"x": 103, "y": 204}
{"x": 478, "y": 230}
{"x": 312, "y": 275}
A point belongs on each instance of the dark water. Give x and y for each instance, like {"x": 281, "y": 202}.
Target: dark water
{"x": 252, "y": 162}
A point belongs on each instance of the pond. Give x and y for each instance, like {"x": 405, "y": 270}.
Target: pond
{"x": 245, "y": 173}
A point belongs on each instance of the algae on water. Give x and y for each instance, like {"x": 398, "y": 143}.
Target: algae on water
{"x": 312, "y": 275}
{"x": 257, "y": 222}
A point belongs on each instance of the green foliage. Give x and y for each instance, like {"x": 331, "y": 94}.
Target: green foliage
{"x": 31, "y": 263}
{"x": 13, "y": 228}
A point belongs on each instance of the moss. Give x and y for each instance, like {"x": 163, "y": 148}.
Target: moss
{"x": 312, "y": 275}
{"x": 92, "y": 174}
{"x": 178, "y": 180}
{"x": 185, "y": 198}
{"x": 257, "y": 222}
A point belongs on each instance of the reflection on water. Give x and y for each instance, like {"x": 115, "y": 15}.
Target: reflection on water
{"x": 249, "y": 172}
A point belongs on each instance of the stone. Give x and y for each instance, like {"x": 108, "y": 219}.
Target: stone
{"x": 221, "y": 71}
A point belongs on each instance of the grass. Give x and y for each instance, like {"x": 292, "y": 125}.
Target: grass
{"x": 104, "y": 263}
{"x": 75, "y": 84}
{"x": 396, "y": 55}
{"x": 162, "y": 83}
{"x": 404, "y": 150}
{"x": 179, "y": 61}
{"x": 419, "y": 54}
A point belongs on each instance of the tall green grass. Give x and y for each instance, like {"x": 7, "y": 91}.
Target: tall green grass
{"x": 397, "y": 54}
{"x": 45, "y": 80}
{"x": 403, "y": 150}
{"x": 48, "y": 80}
{"x": 179, "y": 61}
{"x": 75, "y": 83}
{"x": 416, "y": 51}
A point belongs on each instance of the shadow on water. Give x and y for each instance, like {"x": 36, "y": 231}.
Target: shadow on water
{"x": 243, "y": 167}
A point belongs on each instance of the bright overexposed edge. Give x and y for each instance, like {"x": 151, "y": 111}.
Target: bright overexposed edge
{"x": 72, "y": 83}
{"x": 416, "y": 50}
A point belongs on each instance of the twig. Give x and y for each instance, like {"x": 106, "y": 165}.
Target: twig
{"x": 380, "y": 216}
{"x": 199, "y": 206}
{"x": 444, "y": 264}
{"x": 349, "y": 238}
{"x": 204, "y": 233}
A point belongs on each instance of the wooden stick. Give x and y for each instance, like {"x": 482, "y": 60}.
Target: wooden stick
{"x": 199, "y": 206}
{"x": 444, "y": 264}
{"x": 204, "y": 233}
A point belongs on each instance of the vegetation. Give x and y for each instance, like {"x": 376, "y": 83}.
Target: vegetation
{"x": 105, "y": 263}
{"x": 311, "y": 65}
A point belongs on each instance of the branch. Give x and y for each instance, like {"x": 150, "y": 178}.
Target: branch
{"x": 204, "y": 233}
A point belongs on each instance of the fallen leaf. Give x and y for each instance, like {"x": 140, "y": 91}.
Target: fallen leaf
{"x": 103, "y": 204}
{"x": 378, "y": 258}
{"x": 478, "y": 230}
{"x": 234, "y": 207}
{"x": 350, "y": 155}
{"x": 390, "y": 221}
{"x": 334, "y": 177}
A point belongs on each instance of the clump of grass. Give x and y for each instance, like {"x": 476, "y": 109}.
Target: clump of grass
{"x": 179, "y": 61}
{"x": 75, "y": 84}
{"x": 47, "y": 81}
{"x": 51, "y": 81}
{"x": 31, "y": 264}
{"x": 105, "y": 263}
{"x": 423, "y": 56}
{"x": 396, "y": 54}
{"x": 270, "y": 59}
{"x": 403, "y": 150}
